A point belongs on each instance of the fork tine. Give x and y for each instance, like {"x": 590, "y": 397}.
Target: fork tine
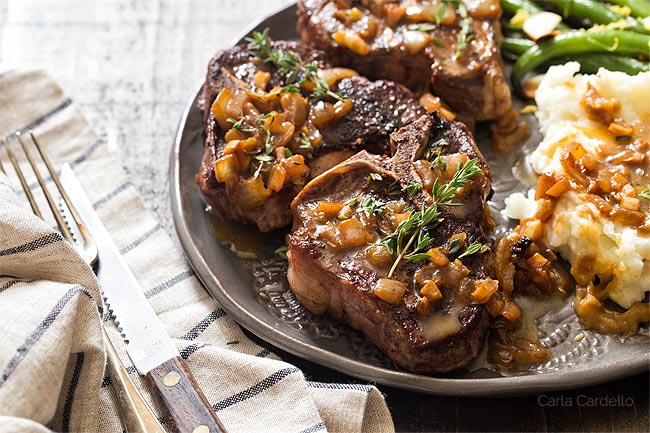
{"x": 90, "y": 244}
{"x": 21, "y": 177}
{"x": 50, "y": 201}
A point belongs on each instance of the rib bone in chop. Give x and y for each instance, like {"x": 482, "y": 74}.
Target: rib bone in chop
{"x": 426, "y": 310}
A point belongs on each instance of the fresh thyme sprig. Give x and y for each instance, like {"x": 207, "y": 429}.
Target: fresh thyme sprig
{"x": 415, "y": 227}
{"x": 305, "y": 142}
{"x": 373, "y": 206}
{"x": 260, "y": 44}
{"x": 297, "y": 71}
{"x": 443, "y": 194}
{"x": 239, "y": 125}
{"x": 423, "y": 27}
{"x": 411, "y": 237}
{"x": 434, "y": 149}
{"x": 441, "y": 13}
{"x": 464, "y": 35}
{"x": 412, "y": 189}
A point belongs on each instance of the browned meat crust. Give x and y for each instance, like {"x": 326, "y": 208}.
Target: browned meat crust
{"x": 379, "y": 108}
{"x": 341, "y": 281}
{"x": 472, "y": 83}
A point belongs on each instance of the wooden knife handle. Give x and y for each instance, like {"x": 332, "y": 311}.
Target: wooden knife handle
{"x": 137, "y": 416}
{"x": 184, "y": 399}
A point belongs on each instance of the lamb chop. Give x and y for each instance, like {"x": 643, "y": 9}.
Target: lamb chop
{"x": 276, "y": 114}
{"x": 397, "y": 246}
{"x": 451, "y": 48}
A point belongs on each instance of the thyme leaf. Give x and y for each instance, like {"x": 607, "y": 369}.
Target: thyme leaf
{"x": 424, "y": 27}
{"x": 282, "y": 252}
{"x": 454, "y": 246}
{"x": 259, "y": 44}
{"x": 305, "y": 142}
{"x": 239, "y": 125}
{"x": 412, "y": 190}
{"x": 411, "y": 236}
{"x": 645, "y": 193}
{"x": 297, "y": 72}
{"x": 372, "y": 206}
{"x": 464, "y": 35}
{"x": 472, "y": 249}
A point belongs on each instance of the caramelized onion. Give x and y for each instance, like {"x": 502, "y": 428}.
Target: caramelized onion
{"x": 391, "y": 291}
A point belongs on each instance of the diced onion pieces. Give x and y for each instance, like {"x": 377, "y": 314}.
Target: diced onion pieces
{"x": 226, "y": 168}
{"x": 389, "y": 290}
{"x": 354, "y": 233}
{"x": 429, "y": 14}
{"x": 415, "y": 41}
{"x": 558, "y": 188}
{"x": 541, "y": 24}
{"x": 351, "y": 40}
{"x": 536, "y": 261}
{"x": 332, "y": 75}
{"x": 329, "y": 209}
{"x": 532, "y": 229}
{"x": 261, "y": 79}
{"x": 437, "y": 257}
{"x": 430, "y": 102}
{"x": 324, "y": 113}
{"x": 295, "y": 165}
{"x": 378, "y": 255}
{"x": 277, "y": 177}
{"x": 252, "y": 193}
{"x": 431, "y": 291}
{"x": 394, "y": 13}
{"x": 294, "y": 108}
{"x": 630, "y": 203}
{"x": 484, "y": 289}
{"x": 219, "y": 108}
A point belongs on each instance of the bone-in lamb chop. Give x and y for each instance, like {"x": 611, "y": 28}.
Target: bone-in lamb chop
{"x": 397, "y": 246}
{"x": 451, "y": 48}
{"x": 276, "y": 114}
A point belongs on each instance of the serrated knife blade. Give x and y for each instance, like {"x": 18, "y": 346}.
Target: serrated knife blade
{"x": 149, "y": 346}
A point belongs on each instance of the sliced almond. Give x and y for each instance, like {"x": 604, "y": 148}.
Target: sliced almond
{"x": 541, "y": 24}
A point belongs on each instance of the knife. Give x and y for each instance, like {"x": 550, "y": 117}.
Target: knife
{"x": 148, "y": 344}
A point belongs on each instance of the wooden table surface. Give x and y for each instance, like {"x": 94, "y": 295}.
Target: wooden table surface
{"x": 131, "y": 65}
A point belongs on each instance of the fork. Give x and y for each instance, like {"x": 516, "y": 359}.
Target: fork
{"x": 136, "y": 414}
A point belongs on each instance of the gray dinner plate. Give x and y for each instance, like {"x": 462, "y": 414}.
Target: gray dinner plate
{"x": 255, "y": 292}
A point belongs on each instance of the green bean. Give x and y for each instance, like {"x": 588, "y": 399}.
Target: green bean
{"x": 639, "y": 8}
{"x": 512, "y": 6}
{"x": 506, "y": 26}
{"x": 516, "y": 45}
{"x": 579, "y": 42}
{"x": 590, "y": 63}
{"x": 593, "y": 11}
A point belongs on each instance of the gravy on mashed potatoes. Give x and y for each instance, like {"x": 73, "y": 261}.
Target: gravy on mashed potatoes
{"x": 592, "y": 202}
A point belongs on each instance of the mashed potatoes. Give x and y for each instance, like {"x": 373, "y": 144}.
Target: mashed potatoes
{"x": 595, "y": 164}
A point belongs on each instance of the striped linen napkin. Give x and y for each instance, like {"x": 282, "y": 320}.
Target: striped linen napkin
{"x": 52, "y": 355}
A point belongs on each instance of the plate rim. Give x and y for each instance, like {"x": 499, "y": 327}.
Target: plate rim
{"x": 504, "y": 386}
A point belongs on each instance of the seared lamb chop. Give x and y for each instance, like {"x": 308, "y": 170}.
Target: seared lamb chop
{"x": 451, "y": 48}
{"x": 270, "y": 128}
{"x": 420, "y": 301}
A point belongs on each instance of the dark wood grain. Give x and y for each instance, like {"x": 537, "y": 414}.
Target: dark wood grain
{"x": 183, "y": 398}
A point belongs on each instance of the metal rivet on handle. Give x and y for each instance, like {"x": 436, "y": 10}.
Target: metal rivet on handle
{"x": 172, "y": 378}
{"x": 201, "y": 429}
